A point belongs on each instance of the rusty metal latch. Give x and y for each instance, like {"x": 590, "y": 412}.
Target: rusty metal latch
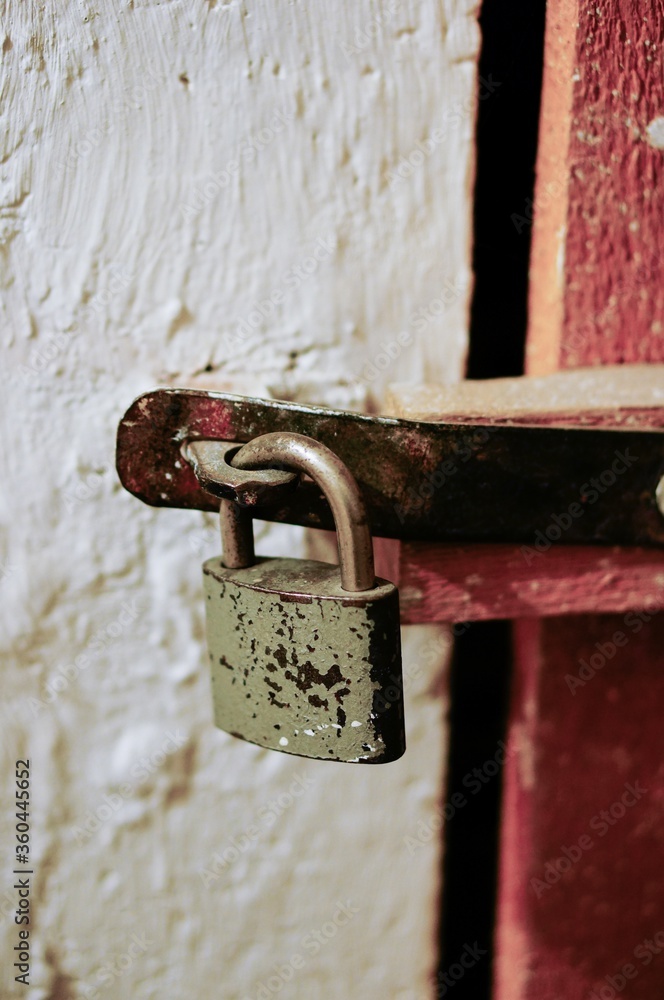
{"x": 454, "y": 482}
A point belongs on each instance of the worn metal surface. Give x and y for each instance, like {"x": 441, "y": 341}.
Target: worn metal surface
{"x": 300, "y": 665}
{"x": 297, "y": 451}
{"x": 212, "y": 461}
{"x": 303, "y": 653}
{"x": 237, "y": 535}
{"x": 429, "y": 481}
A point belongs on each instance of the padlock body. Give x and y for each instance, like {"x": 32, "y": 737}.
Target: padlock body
{"x": 300, "y": 665}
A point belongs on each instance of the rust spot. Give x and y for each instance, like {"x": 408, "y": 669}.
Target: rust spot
{"x": 296, "y": 599}
{"x": 272, "y": 698}
{"x": 318, "y": 702}
{"x": 308, "y": 676}
{"x": 281, "y": 657}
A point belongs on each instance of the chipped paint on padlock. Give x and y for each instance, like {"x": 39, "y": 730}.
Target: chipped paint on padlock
{"x": 302, "y": 666}
{"x": 305, "y": 657}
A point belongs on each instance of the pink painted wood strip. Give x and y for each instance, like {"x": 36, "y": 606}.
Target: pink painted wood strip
{"x": 447, "y": 583}
{"x": 581, "y": 890}
{"x": 581, "y": 881}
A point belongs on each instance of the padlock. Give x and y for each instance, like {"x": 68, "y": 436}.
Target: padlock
{"x": 305, "y": 656}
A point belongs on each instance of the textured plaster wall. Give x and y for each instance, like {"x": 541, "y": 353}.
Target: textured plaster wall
{"x": 267, "y": 193}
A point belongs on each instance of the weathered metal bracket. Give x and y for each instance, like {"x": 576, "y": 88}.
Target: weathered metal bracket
{"x": 211, "y": 462}
{"x": 421, "y": 480}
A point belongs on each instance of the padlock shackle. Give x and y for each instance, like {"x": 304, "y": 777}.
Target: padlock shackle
{"x": 297, "y": 451}
{"x": 237, "y": 535}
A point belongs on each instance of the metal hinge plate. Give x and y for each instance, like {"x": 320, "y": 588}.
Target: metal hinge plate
{"x": 438, "y": 482}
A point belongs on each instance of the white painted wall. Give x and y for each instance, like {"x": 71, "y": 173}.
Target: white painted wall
{"x": 168, "y": 172}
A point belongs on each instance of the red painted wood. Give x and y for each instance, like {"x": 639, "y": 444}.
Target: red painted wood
{"x": 456, "y": 583}
{"x": 614, "y": 253}
{"x": 598, "y": 267}
{"x": 582, "y": 861}
{"x": 597, "y": 290}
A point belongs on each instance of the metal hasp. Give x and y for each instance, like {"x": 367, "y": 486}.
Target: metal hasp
{"x": 305, "y": 657}
{"x": 211, "y": 461}
{"x": 447, "y": 482}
